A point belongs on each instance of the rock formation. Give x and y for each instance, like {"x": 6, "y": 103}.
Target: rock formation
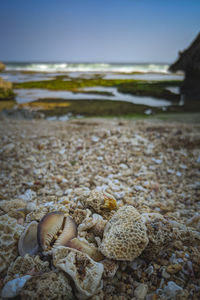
{"x": 2, "y": 67}
{"x": 6, "y": 92}
{"x": 189, "y": 62}
{"x": 5, "y": 84}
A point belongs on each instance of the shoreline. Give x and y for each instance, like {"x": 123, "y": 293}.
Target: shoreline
{"x": 149, "y": 164}
{"x": 99, "y": 97}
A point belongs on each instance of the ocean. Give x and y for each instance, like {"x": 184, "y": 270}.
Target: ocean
{"x": 89, "y": 67}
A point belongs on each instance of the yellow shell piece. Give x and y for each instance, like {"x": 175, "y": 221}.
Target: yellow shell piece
{"x": 110, "y": 203}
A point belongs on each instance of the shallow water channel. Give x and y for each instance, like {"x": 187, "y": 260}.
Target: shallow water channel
{"x": 28, "y": 95}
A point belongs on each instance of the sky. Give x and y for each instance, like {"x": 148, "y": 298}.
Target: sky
{"x": 97, "y": 30}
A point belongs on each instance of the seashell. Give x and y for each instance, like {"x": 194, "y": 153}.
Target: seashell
{"x": 109, "y": 202}
{"x": 28, "y": 240}
{"x": 84, "y": 247}
{"x": 55, "y": 229}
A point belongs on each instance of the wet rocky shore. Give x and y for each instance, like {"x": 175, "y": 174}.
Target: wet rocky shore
{"x": 126, "y": 184}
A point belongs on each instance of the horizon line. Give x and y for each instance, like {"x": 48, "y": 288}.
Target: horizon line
{"x": 84, "y": 62}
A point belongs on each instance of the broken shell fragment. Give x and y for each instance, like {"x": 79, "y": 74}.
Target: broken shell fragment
{"x": 84, "y": 247}
{"x": 28, "y": 243}
{"x": 55, "y": 229}
{"x": 100, "y": 202}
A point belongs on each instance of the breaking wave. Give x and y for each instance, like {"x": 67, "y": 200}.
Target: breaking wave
{"x": 89, "y": 67}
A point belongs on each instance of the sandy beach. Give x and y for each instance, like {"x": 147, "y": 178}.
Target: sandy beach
{"x": 150, "y": 165}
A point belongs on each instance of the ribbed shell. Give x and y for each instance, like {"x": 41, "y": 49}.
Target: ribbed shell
{"x": 48, "y": 227}
{"x": 69, "y": 232}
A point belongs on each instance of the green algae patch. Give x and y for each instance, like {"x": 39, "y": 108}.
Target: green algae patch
{"x": 105, "y": 108}
{"x": 187, "y": 117}
{"x": 6, "y": 94}
{"x": 101, "y": 93}
{"x": 70, "y": 85}
{"x": 87, "y": 108}
{"x": 155, "y": 89}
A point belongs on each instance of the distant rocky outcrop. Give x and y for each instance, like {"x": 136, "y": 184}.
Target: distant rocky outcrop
{"x": 6, "y": 92}
{"x": 5, "y": 84}
{"x": 189, "y": 62}
{"x": 2, "y": 67}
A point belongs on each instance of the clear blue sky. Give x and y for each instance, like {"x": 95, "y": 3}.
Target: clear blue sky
{"x": 97, "y": 30}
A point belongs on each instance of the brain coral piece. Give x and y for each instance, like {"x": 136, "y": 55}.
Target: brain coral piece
{"x": 85, "y": 272}
{"x": 125, "y": 235}
{"x": 23, "y": 265}
{"x": 100, "y": 202}
{"x": 51, "y": 285}
{"x": 10, "y": 232}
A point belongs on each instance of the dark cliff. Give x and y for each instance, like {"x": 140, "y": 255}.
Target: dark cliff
{"x": 189, "y": 62}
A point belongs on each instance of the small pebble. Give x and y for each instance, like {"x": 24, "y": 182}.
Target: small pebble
{"x": 173, "y": 269}
{"x": 141, "y": 291}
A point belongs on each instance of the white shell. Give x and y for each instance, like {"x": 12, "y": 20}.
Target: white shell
{"x": 28, "y": 240}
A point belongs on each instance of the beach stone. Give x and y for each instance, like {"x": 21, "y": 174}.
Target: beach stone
{"x": 12, "y": 288}
{"x": 141, "y": 291}
{"x": 172, "y": 289}
{"x": 165, "y": 274}
{"x": 173, "y": 269}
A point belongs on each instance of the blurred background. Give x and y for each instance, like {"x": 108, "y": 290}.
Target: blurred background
{"x": 119, "y": 52}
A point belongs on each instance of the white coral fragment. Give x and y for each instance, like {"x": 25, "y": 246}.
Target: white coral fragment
{"x": 85, "y": 272}
{"x": 100, "y": 201}
{"x": 10, "y": 232}
{"x": 47, "y": 286}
